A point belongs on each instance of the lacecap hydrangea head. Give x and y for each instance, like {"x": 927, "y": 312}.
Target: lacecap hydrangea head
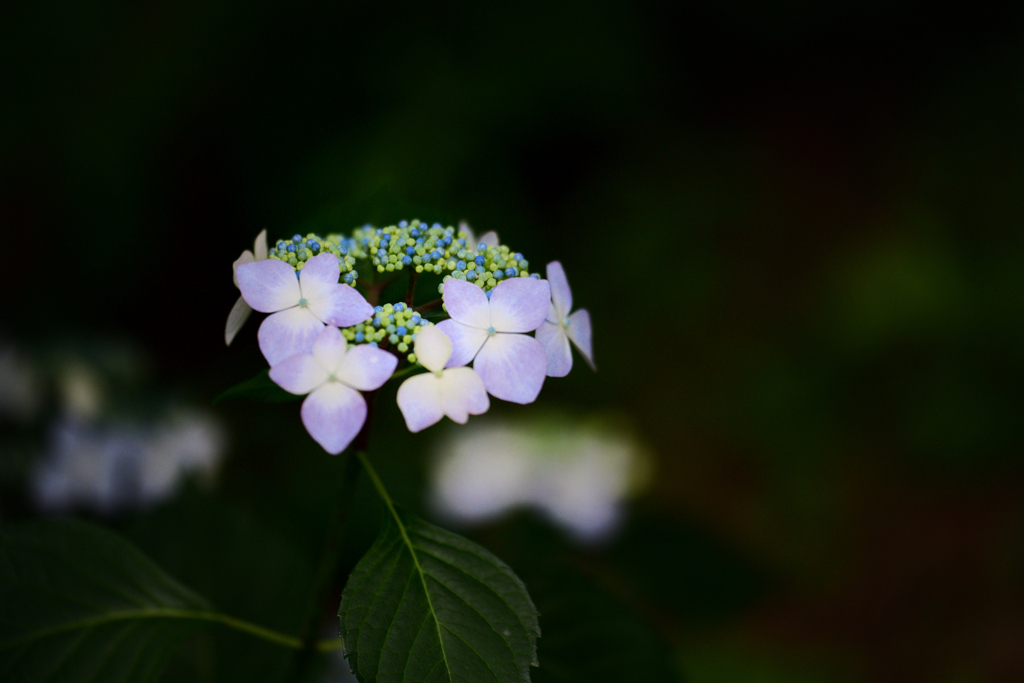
{"x": 297, "y": 250}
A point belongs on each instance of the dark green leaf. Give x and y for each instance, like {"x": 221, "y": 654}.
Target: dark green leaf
{"x": 427, "y": 605}
{"x": 259, "y": 388}
{"x": 79, "y": 604}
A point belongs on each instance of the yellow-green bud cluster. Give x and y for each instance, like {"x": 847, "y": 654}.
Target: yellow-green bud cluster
{"x": 440, "y": 250}
{"x": 397, "y": 324}
{"x": 297, "y": 250}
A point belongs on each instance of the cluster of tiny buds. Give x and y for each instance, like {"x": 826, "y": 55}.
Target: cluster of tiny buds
{"x": 440, "y": 250}
{"x": 299, "y": 249}
{"x": 396, "y": 323}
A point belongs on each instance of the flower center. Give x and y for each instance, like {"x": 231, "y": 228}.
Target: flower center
{"x": 302, "y": 303}
{"x": 565, "y": 321}
{"x": 491, "y": 331}
{"x": 332, "y": 378}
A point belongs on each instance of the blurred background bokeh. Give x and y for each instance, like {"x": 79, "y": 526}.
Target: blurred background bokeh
{"x": 797, "y": 228}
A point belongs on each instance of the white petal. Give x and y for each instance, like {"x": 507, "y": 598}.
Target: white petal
{"x": 344, "y": 307}
{"x": 561, "y": 295}
{"x": 268, "y": 286}
{"x": 470, "y": 237}
{"x": 419, "y": 399}
{"x": 520, "y": 304}
{"x": 466, "y": 341}
{"x": 288, "y": 333}
{"x": 466, "y": 303}
{"x": 489, "y": 238}
{"x": 512, "y": 366}
{"x": 236, "y": 318}
{"x": 329, "y": 348}
{"x": 299, "y": 374}
{"x": 366, "y": 367}
{"x": 333, "y": 416}
{"x": 579, "y": 333}
{"x": 259, "y": 247}
{"x": 556, "y": 346}
{"x": 246, "y": 257}
{"x": 463, "y": 394}
{"x": 433, "y": 348}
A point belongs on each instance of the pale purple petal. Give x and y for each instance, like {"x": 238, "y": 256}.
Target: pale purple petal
{"x": 329, "y": 348}
{"x": 268, "y": 286}
{"x": 299, "y": 374}
{"x": 561, "y": 295}
{"x": 236, "y": 318}
{"x": 466, "y": 303}
{"x": 317, "y": 276}
{"x": 433, "y": 348}
{"x": 259, "y": 247}
{"x": 466, "y": 341}
{"x": 288, "y": 333}
{"x": 556, "y": 346}
{"x": 366, "y": 367}
{"x": 579, "y": 333}
{"x": 520, "y": 304}
{"x": 246, "y": 257}
{"x": 463, "y": 394}
{"x": 419, "y": 399}
{"x": 341, "y": 305}
{"x": 512, "y": 366}
{"x": 333, "y": 415}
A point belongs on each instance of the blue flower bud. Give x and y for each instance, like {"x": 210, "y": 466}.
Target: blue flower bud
{"x": 481, "y": 247}
{"x": 511, "y": 272}
{"x": 360, "y": 337}
{"x": 406, "y": 260}
{"x": 296, "y": 238}
{"x": 479, "y": 260}
{"x": 403, "y": 224}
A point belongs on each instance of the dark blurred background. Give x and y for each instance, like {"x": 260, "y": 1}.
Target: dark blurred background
{"x": 797, "y": 227}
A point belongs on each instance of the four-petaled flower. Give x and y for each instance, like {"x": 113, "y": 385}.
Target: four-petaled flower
{"x": 560, "y": 327}
{"x": 489, "y": 238}
{"x": 301, "y": 307}
{"x": 333, "y": 375}
{"x": 492, "y": 333}
{"x": 240, "y": 311}
{"x": 455, "y": 392}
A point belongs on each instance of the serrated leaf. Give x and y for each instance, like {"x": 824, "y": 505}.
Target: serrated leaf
{"x": 427, "y": 605}
{"x": 79, "y": 604}
{"x": 259, "y": 388}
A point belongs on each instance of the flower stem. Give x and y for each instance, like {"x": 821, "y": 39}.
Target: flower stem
{"x": 427, "y": 306}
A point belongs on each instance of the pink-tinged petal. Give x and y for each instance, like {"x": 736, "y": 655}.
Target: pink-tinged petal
{"x": 466, "y": 303}
{"x": 556, "y": 346}
{"x": 288, "y": 333}
{"x": 259, "y": 247}
{"x": 419, "y": 399}
{"x": 512, "y": 366}
{"x": 489, "y": 238}
{"x": 268, "y": 286}
{"x": 333, "y": 416}
{"x": 462, "y": 394}
{"x": 329, "y": 348}
{"x": 561, "y": 295}
{"x": 246, "y": 257}
{"x": 520, "y": 304}
{"x": 579, "y": 333}
{"x": 341, "y": 305}
{"x": 466, "y": 341}
{"x": 433, "y": 348}
{"x": 299, "y": 374}
{"x": 236, "y": 318}
{"x": 366, "y": 367}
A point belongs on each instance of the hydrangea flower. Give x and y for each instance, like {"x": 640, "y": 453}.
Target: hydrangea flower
{"x": 300, "y": 306}
{"x": 561, "y": 327}
{"x": 457, "y": 392}
{"x": 240, "y": 311}
{"x": 490, "y": 330}
{"x": 489, "y": 238}
{"x": 333, "y": 374}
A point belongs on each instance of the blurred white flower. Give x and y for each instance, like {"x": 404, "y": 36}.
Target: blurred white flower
{"x": 578, "y": 474}
{"x": 108, "y": 468}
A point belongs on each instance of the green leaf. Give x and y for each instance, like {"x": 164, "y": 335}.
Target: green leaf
{"x": 79, "y": 604}
{"x": 259, "y": 388}
{"x": 427, "y": 605}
